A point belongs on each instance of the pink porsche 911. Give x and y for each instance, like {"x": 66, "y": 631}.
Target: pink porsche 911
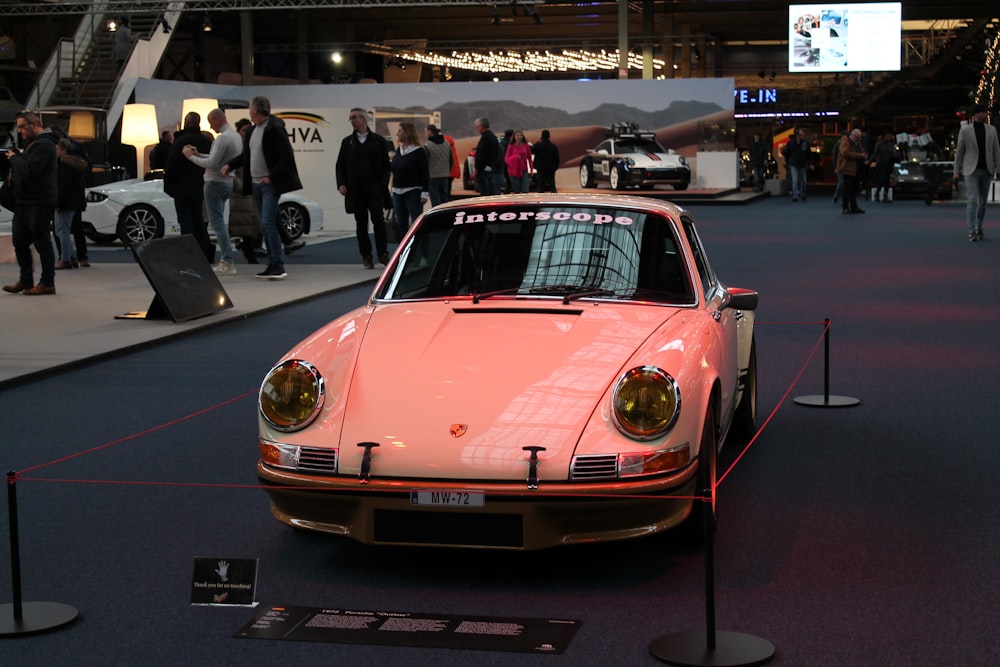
{"x": 530, "y": 371}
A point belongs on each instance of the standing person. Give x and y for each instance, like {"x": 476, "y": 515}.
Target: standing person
{"x": 519, "y": 163}
{"x": 758, "y": 158}
{"x": 456, "y": 166}
{"x": 884, "y": 157}
{"x": 76, "y": 149}
{"x": 849, "y": 158}
{"x": 410, "y": 177}
{"x": 977, "y": 158}
{"x": 228, "y": 145}
{"x": 363, "y": 180}
{"x": 244, "y": 223}
{"x": 487, "y": 156}
{"x": 546, "y": 156}
{"x": 123, "y": 41}
{"x": 797, "y": 160}
{"x": 835, "y": 154}
{"x": 161, "y": 151}
{"x": 439, "y": 157}
{"x": 70, "y": 200}
{"x": 269, "y": 160}
{"x": 34, "y": 174}
{"x": 184, "y": 181}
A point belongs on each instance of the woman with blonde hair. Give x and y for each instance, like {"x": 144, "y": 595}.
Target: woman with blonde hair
{"x": 410, "y": 177}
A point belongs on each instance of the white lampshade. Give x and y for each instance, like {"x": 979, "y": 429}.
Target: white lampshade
{"x": 139, "y": 127}
{"x": 201, "y": 105}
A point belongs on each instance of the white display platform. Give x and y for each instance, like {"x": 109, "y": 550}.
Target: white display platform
{"x": 715, "y": 170}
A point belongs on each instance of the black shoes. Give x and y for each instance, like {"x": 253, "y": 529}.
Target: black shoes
{"x": 367, "y": 262}
{"x": 272, "y": 273}
{"x": 383, "y": 258}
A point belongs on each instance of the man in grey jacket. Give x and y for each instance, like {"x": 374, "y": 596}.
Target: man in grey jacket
{"x": 977, "y": 158}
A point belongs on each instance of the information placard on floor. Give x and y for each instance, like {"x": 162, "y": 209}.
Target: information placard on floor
{"x": 392, "y": 628}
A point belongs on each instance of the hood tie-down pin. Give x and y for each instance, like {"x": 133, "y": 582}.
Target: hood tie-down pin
{"x": 366, "y": 462}
{"x": 533, "y": 465}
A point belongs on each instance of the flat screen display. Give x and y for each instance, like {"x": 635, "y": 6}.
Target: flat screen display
{"x": 854, "y": 37}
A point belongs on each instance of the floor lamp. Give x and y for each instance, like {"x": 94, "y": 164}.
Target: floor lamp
{"x": 139, "y": 129}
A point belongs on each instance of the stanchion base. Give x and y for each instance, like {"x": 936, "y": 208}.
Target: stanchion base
{"x": 732, "y": 649}
{"x": 828, "y": 401}
{"x": 36, "y": 617}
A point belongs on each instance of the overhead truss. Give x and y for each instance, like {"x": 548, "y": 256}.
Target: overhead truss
{"x": 138, "y": 6}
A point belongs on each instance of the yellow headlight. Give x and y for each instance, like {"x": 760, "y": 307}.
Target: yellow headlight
{"x": 291, "y": 395}
{"x": 646, "y": 403}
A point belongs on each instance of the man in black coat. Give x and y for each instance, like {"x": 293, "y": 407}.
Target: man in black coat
{"x": 33, "y": 172}
{"x": 184, "y": 181}
{"x": 363, "y": 171}
{"x": 269, "y": 171}
{"x": 488, "y": 159}
{"x": 546, "y": 155}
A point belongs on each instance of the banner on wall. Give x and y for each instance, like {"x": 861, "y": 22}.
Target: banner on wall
{"x": 577, "y": 114}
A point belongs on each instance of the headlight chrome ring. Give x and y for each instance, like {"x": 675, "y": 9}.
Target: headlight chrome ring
{"x": 646, "y": 403}
{"x": 292, "y": 395}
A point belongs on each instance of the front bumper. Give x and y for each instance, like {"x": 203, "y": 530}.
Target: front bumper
{"x": 512, "y": 517}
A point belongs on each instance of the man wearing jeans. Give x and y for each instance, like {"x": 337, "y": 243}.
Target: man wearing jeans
{"x": 268, "y": 158}
{"x": 977, "y": 158}
{"x": 218, "y": 186}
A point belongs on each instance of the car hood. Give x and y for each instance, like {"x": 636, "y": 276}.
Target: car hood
{"x": 456, "y": 391}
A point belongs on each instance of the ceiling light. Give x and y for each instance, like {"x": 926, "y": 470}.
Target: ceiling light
{"x": 206, "y": 25}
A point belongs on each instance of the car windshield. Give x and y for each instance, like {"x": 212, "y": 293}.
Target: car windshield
{"x": 567, "y": 252}
{"x": 640, "y": 146}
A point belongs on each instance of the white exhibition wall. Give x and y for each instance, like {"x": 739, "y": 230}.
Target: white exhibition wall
{"x": 576, "y": 113}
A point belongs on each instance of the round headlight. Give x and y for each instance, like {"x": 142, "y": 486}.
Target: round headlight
{"x": 646, "y": 403}
{"x": 291, "y": 395}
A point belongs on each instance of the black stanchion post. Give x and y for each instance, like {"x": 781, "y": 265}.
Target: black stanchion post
{"x": 26, "y": 618}
{"x": 710, "y": 648}
{"x": 826, "y": 400}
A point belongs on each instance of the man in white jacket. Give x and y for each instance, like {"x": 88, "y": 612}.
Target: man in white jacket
{"x": 977, "y": 158}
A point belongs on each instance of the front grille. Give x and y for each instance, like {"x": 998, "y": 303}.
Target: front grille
{"x": 315, "y": 459}
{"x": 449, "y": 528}
{"x": 603, "y": 466}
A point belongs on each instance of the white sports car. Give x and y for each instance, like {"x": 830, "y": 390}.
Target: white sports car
{"x": 633, "y": 157}
{"x": 137, "y": 210}
{"x": 530, "y": 371}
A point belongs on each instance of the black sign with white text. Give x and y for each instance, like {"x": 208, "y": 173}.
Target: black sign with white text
{"x": 526, "y": 635}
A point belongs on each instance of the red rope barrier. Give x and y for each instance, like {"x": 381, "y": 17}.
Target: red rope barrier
{"x": 20, "y": 475}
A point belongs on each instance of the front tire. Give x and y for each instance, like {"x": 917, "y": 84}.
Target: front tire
{"x": 138, "y": 224}
{"x": 616, "y": 178}
{"x": 294, "y": 219}
{"x": 693, "y": 528}
{"x": 587, "y": 175}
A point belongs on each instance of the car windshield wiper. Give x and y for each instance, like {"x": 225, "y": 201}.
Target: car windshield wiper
{"x": 572, "y": 292}
{"x": 476, "y": 298}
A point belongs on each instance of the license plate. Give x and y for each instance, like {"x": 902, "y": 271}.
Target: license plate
{"x": 448, "y": 498}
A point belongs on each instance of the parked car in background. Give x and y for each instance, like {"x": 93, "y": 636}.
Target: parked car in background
{"x": 137, "y": 210}
{"x": 632, "y": 157}
{"x": 530, "y": 371}
{"x": 922, "y": 180}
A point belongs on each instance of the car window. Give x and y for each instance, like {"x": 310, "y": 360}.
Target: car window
{"x": 605, "y": 147}
{"x": 705, "y": 274}
{"x": 524, "y": 251}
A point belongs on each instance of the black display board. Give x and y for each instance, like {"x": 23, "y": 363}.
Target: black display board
{"x": 224, "y": 581}
{"x": 393, "y": 628}
{"x": 183, "y": 280}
